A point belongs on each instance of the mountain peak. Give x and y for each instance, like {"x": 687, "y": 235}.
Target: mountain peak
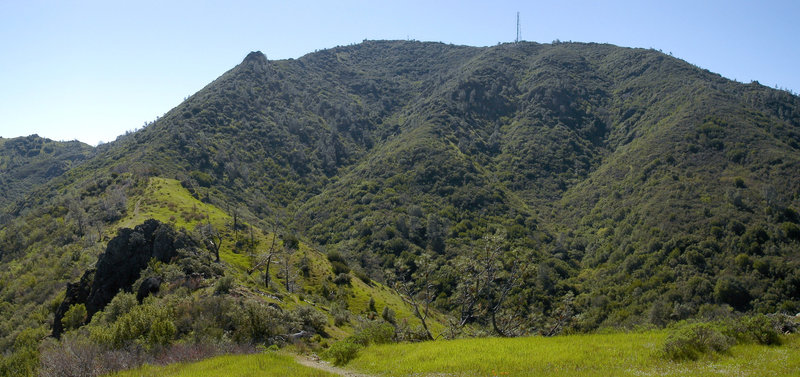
{"x": 255, "y": 57}
{"x": 255, "y": 61}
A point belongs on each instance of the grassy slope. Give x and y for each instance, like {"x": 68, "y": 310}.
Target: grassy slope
{"x": 264, "y": 364}
{"x": 166, "y": 200}
{"x": 358, "y": 302}
{"x": 577, "y": 355}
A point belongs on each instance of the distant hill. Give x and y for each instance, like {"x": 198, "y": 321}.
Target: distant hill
{"x": 30, "y": 161}
{"x": 533, "y": 187}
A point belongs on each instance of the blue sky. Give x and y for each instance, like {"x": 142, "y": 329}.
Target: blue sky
{"x": 91, "y": 70}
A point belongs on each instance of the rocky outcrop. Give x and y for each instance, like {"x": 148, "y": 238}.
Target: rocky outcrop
{"x": 77, "y": 293}
{"x": 149, "y": 286}
{"x": 127, "y": 255}
{"x": 121, "y": 265}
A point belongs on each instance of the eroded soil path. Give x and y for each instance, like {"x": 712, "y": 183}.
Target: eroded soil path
{"x": 314, "y": 362}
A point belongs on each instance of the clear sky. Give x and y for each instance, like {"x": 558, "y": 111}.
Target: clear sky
{"x": 91, "y": 70}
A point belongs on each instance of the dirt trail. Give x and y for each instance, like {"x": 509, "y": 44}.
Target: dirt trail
{"x": 314, "y": 362}
{"x": 136, "y": 208}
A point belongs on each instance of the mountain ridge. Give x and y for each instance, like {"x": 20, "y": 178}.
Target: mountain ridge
{"x": 32, "y": 160}
{"x": 633, "y": 187}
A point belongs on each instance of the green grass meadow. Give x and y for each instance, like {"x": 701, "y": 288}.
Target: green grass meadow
{"x": 606, "y": 355}
{"x": 269, "y": 364}
{"x": 633, "y": 354}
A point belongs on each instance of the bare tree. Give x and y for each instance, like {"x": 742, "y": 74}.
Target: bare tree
{"x": 488, "y": 275}
{"x": 265, "y": 259}
{"x": 290, "y": 245}
{"x": 419, "y": 290}
{"x": 236, "y": 223}
{"x": 77, "y": 213}
{"x": 114, "y": 205}
{"x": 563, "y": 314}
{"x": 211, "y": 237}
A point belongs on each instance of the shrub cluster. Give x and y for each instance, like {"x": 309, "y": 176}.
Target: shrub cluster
{"x": 342, "y": 352}
{"x": 368, "y": 332}
{"x": 340, "y": 314}
{"x": 224, "y": 285}
{"x": 167, "y": 329}
{"x": 76, "y": 355}
{"x": 147, "y": 325}
{"x": 342, "y": 279}
{"x": 25, "y": 357}
{"x": 688, "y": 341}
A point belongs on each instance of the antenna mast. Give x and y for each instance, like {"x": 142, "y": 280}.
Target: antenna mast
{"x": 519, "y": 31}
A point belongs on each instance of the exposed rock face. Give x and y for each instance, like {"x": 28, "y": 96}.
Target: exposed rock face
{"x": 149, "y": 286}
{"x": 127, "y": 255}
{"x": 77, "y": 293}
{"x": 256, "y": 62}
{"x": 121, "y": 264}
{"x": 256, "y": 57}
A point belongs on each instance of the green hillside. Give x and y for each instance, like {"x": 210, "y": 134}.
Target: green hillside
{"x": 30, "y": 161}
{"x": 512, "y": 190}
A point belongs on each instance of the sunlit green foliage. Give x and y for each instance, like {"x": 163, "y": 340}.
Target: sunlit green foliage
{"x": 367, "y": 332}
{"x": 75, "y": 317}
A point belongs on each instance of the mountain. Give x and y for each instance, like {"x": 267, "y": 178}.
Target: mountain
{"x": 31, "y": 161}
{"x": 520, "y": 188}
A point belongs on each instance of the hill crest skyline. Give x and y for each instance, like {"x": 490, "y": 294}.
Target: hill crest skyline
{"x": 254, "y": 54}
